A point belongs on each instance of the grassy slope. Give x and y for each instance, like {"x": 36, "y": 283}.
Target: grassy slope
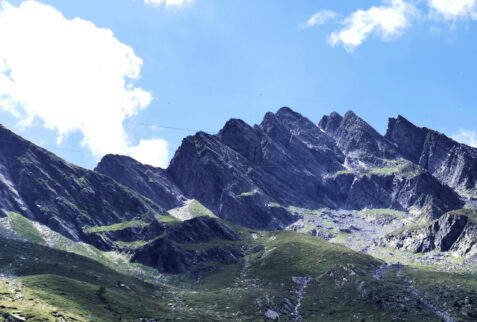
{"x": 341, "y": 288}
{"x": 65, "y": 283}
{"x": 119, "y": 226}
{"x": 451, "y": 291}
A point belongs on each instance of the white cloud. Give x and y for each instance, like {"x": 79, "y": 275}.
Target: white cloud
{"x": 168, "y": 3}
{"x": 320, "y": 18}
{"x": 388, "y": 20}
{"x": 147, "y": 152}
{"x": 453, "y": 9}
{"x": 72, "y": 76}
{"x": 466, "y": 137}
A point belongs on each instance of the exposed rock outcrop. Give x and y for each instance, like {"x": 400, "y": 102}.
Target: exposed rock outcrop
{"x": 455, "y": 232}
{"x": 453, "y": 163}
{"x": 64, "y": 197}
{"x": 251, "y": 175}
{"x": 153, "y": 183}
{"x": 357, "y": 139}
{"x": 175, "y": 251}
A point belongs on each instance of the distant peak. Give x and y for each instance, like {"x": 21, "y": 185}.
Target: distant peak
{"x": 350, "y": 113}
{"x": 199, "y": 136}
{"x": 403, "y": 119}
{"x": 351, "y": 118}
{"x": 285, "y": 109}
{"x": 398, "y": 122}
{"x": 233, "y": 127}
{"x": 329, "y": 123}
{"x": 288, "y": 112}
{"x": 232, "y": 123}
{"x": 116, "y": 157}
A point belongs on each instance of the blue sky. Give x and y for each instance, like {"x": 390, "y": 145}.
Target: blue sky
{"x": 206, "y": 61}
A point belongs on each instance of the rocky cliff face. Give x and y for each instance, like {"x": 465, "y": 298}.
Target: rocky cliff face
{"x": 252, "y": 175}
{"x": 454, "y": 232}
{"x": 357, "y": 139}
{"x": 410, "y": 188}
{"x": 64, "y": 197}
{"x": 255, "y": 176}
{"x": 450, "y": 162}
{"x": 175, "y": 252}
{"x": 153, "y": 183}
{"x": 381, "y": 177}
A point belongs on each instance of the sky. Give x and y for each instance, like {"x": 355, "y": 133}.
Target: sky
{"x": 134, "y": 77}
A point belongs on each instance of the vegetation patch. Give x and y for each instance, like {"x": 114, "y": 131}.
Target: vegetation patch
{"x": 247, "y": 194}
{"x": 384, "y": 171}
{"x": 131, "y": 245}
{"x": 191, "y": 209}
{"x": 198, "y": 210}
{"x": 383, "y": 212}
{"x": 167, "y": 219}
{"x": 25, "y": 228}
{"x": 119, "y": 226}
{"x": 342, "y": 172}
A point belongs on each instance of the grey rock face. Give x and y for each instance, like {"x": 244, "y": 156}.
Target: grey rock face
{"x": 153, "y": 183}
{"x": 169, "y": 258}
{"x": 455, "y": 231}
{"x": 356, "y": 138}
{"x": 64, "y": 197}
{"x": 452, "y": 163}
{"x": 169, "y": 253}
{"x": 403, "y": 192}
{"x": 239, "y": 172}
{"x": 201, "y": 229}
{"x": 287, "y": 160}
{"x": 127, "y": 235}
{"x": 402, "y": 185}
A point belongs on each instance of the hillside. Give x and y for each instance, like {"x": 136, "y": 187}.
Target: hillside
{"x": 286, "y": 220}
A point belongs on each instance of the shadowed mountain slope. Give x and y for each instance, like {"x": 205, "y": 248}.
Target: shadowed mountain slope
{"x": 453, "y": 163}
{"x": 64, "y": 197}
{"x": 153, "y": 183}
{"x": 252, "y": 175}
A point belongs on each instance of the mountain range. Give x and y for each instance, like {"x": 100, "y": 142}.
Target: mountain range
{"x": 288, "y": 219}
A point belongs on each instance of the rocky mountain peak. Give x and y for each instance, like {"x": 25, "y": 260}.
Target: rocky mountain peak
{"x": 401, "y": 130}
{"x": 242, "y": 138}
{"x": 453, "y": 163}
{"x": 355, "y": 137}
{"x": 329, "y": 123}
{"x": 285, "y": 113}
{"x": 151, "y": 182}
{"x": 294, "y": 122}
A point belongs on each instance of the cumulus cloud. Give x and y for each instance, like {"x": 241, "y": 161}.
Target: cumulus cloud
{"x": 466, "y": 137}
{"x": 388, "y": 20}
{"x": 453, "y": 9}
{"x": 320, "y": 18}
{"x": 146, "y": 152}
{"x": 72, "y": 76}
{"x": 167, "y": 3}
